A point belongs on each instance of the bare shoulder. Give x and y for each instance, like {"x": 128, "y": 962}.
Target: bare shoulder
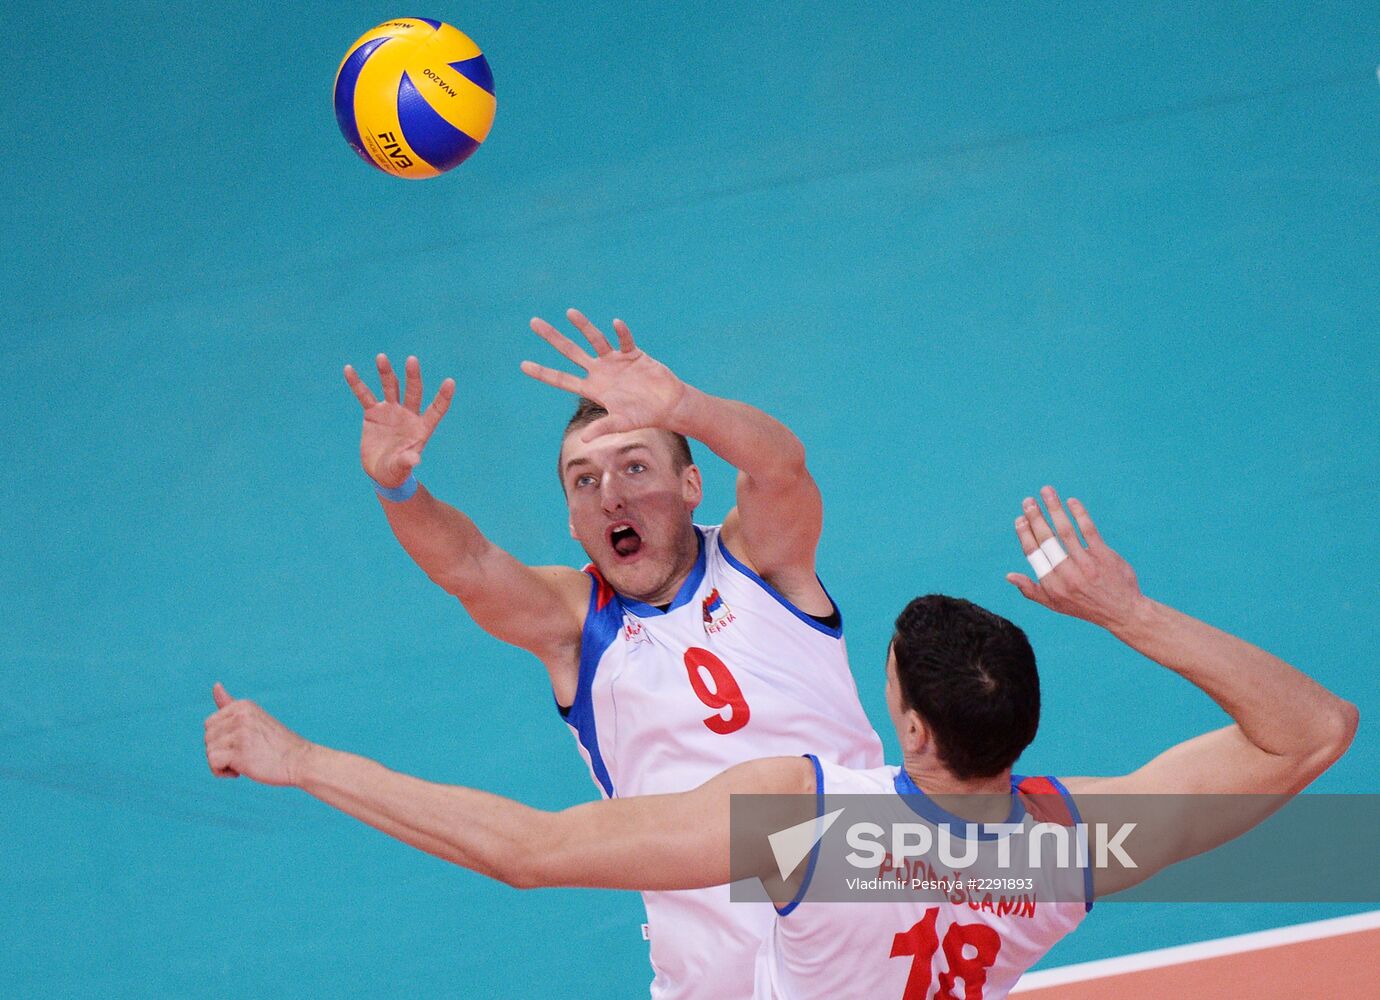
{"x": 790, "y": 788}
{"x": 1114, "y": 800}
{"x": 771, "y": 776}
{"x": 731, "y": 534}
{"x": 560, "y": 651}
{"x": 1085, "y": 785}
{"x": 1089, "y": 791}
{"x": 797, "y": 584}
{"x": 571, "y": 586}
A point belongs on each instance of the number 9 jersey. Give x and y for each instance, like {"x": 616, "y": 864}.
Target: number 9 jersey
{"x": 729, "y": 672}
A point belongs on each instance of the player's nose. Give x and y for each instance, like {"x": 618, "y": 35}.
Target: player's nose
{"x": 611, "y": 494}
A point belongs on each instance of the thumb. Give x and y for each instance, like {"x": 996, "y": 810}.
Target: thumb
{"x": 1022, "y": 583}
{"x": 221, "y": 695}
{"x": 612, "y": 424}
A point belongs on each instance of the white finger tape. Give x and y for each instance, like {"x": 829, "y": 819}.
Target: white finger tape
{"x": 1053, "y": 551}
{"x": 1039, "y": 562}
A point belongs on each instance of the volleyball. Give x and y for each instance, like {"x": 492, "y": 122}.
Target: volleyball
{"x": 414, "y": 97}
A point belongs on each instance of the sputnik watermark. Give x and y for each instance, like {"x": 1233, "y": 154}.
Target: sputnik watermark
{"x": 1042, "y": 844}
{"x": 887, "y": 847}
{"x": 916, "y": 840}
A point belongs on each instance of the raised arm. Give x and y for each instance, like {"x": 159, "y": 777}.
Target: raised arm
{"x": 776, "y": 524}
{"x": 1286, "y": 728}
{"x": 650, "y": 842}
{"x": 540, "y": 609}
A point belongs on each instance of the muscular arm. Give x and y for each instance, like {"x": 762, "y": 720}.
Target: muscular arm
{"x": 645, "y": 842}
{"x": 1286, "y": 728}
{"x": 540, "y": 609}
{"x": 536, "y": 608}
{"x": 777, "y": 522}
{"x": 651, "y": 842}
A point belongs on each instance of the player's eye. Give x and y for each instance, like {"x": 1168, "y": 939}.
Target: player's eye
{"x": 637, "y": 467}
{"x": 584, "y": 480}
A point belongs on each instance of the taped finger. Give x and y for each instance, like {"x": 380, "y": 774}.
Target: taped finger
{"x": 1053, "y": 552}
{"x": 1039, "y": 562}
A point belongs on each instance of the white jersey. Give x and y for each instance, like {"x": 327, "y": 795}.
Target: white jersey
{"x": 730, "y": 672}
{"x": 973, "y": 944}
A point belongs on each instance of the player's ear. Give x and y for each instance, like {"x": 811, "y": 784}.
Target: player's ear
{"x": 691, "y": 486}
{"x": 915, "y": 735}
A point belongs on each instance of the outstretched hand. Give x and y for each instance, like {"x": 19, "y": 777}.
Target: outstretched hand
{"x": 636, "y": 389}
{"x": 395, "y": 432}
{"x": 1092, "y": 582}
{"x": 241, "y": 738}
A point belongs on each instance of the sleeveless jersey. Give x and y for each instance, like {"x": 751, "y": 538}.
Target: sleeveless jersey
{"x": 667, "y": 700}
{"x": 972, "y": 944}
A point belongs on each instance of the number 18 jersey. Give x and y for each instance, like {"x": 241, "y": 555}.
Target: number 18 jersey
{"x": 970, "y": 941}
{"x": 666, "y": 700}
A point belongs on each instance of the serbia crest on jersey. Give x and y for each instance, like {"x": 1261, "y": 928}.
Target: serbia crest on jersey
{"x": 717, "y": 615}
{"x": 730, "y": 672}
{"x": 960, "y": 942}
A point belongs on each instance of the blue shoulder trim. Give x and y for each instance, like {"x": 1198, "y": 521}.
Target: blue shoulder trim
{"x": 809, "y": 620}
{"x": 1077, "y": 819}
{"x": 814, "y": 851}
{"x": 600, "y": 630}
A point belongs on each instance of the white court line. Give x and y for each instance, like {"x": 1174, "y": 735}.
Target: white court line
{"x": 1194, "y": 952}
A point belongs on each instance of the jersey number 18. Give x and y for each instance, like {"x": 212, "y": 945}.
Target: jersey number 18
{"x": 969, "y": 951}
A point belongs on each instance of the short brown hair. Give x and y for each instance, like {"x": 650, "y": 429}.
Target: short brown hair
{"x": 587, "y": 411}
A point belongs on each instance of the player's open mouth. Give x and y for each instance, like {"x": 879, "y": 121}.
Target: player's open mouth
{"x": 624, "y": 539}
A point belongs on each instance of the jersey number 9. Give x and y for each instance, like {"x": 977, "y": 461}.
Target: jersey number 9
{"x": 725, "y": 692}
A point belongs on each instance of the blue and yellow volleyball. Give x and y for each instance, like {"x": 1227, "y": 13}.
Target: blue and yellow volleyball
{"x": 414, "y": 97}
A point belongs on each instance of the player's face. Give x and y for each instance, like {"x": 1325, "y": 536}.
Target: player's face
{"x": 631, "y": 510}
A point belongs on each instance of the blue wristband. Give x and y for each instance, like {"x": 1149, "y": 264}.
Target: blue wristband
{"x": 397, "y": 494}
